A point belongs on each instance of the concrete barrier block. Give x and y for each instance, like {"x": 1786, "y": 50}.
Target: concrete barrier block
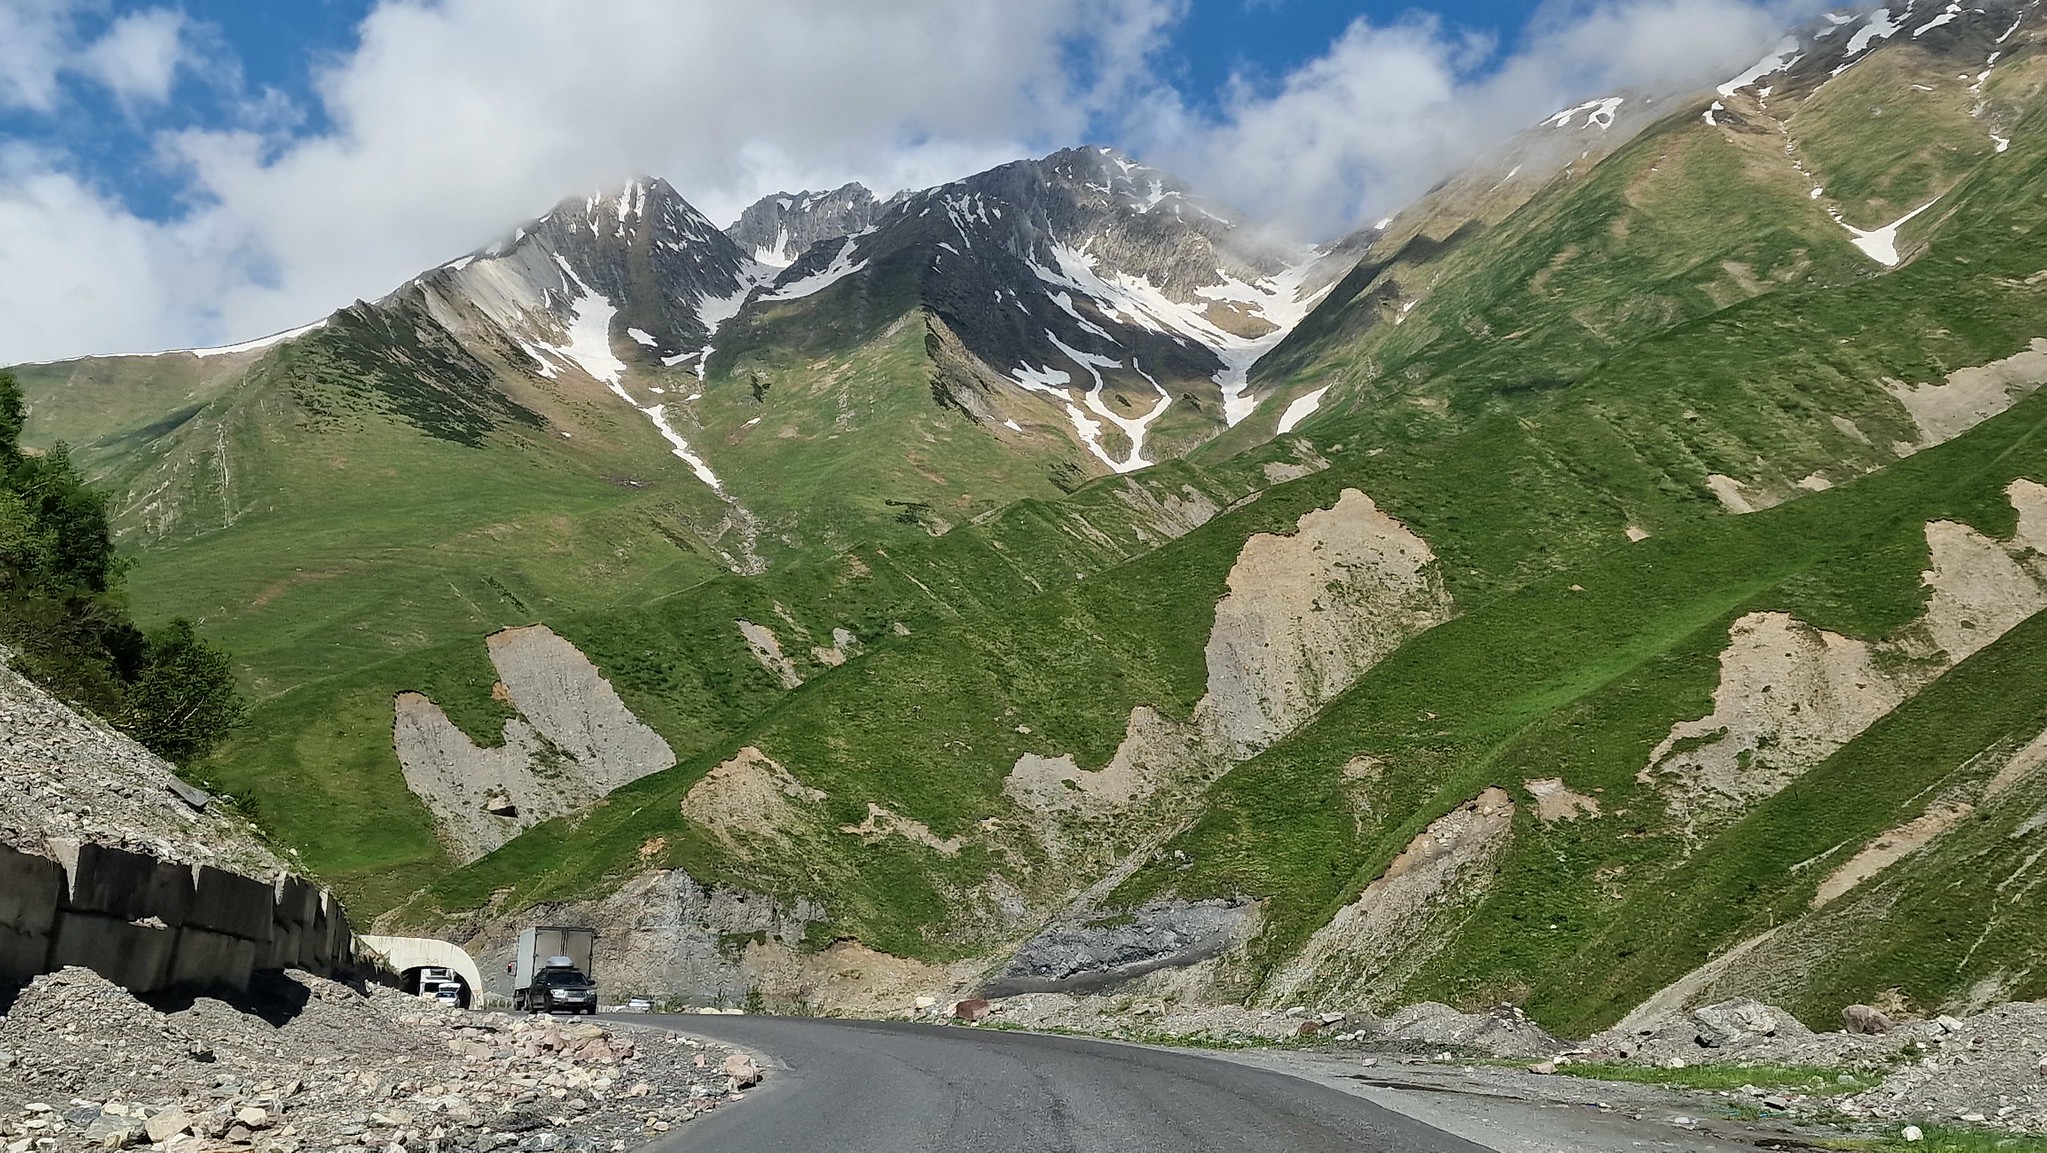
{"x": 287, "y": 944}
{"x": 23, "y": 954}
{"x": 298, "y": 901}
{"x": 212, "y": 961}
{"x": 118, "y": 883}
{"x": 134, "y": 956}
{"x": 230, "y": 903}
{"x": 29, "y": 888}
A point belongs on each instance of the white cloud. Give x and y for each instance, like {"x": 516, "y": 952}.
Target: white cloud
{"x": 1391, "y": 109}
{"x": 138, "y": 58}
{"x": 34, "y": 35}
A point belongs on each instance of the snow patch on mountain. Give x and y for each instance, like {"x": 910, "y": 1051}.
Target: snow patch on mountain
{"x": 1880, "y": 25}
{"x": 1301, "y": 409}
{"x": 260, "y": 342}
{"x": 1133, "y": 428}
{"x": 1783, "y": 56}
{"x": 1947, "y": 16}
{"x": 841, "y": 267}
{"x": 1882, "y": 244}
{"x": 1276, "y": 300}
{"x": 1598, "y": 113}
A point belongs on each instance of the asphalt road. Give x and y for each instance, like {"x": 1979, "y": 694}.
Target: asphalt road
{"x": 885, "y": 1087}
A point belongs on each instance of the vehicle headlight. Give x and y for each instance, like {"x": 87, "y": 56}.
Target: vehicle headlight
{"x": 557, "y": 992}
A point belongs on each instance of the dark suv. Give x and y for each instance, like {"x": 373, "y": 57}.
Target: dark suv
{"x": 562, "y": 991}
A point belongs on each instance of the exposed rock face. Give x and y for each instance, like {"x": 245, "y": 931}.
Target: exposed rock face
{"x": 1892, "y": 846}
{"x": 1088, "y": 957}
{"x": 1970, "y": 396}
{"x": 68, "y": 775}
{"x": 1307, "y": 614}
{"x": 1790, "y": 694}
{"x": 777, "y": 229}
{"x": 563, "y": 696}
{"x": 1156, "y": 753}
{"x": 662, "y": 934}
{"x": 750, "y": 803}
{"x": 766, "y": 648}
{"x": 1385, "y": 935}
{"x": 573, "y": 742}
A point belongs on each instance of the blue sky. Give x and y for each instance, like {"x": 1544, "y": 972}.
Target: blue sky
{"x": 177, "y": 172}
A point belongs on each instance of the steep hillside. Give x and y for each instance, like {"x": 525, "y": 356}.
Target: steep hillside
{"x": 1465, "y": 710}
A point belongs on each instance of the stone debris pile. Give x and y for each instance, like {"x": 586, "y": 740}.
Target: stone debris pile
{"x": 313, "y": 1066}
{"x": 1986, "y": 1069}
{"x": 67, "y": 775}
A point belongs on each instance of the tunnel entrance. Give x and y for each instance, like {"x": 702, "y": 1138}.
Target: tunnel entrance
{"x": 436, "y": 983}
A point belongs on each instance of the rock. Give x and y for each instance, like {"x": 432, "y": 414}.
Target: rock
{"x": 1308, "y": 1028}
{"x": 1865, "y": 1021}
{"x": 253, "y": 1117}
{"x": 469, "y": 1050}
{"x": 744, "y": 1073}
{"x": 925, "y": 1003}
{"x": 167, "y": 1124}
{"x": 1912, "y": 1133}
{"x": 1543, "y": 1068}
{"x": 109, "y": 1131}
{"x": 1948, "y": 1024}
{"x": 970, "y": 1010}
{"x": 239, "y": 1135}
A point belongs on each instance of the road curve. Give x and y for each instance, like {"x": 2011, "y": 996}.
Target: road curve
{"x": 891, "y": 1087}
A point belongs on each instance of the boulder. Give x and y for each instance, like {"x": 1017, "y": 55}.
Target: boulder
{"x": 1865, "y": 1021}
{"x": 970, "y": 1010}
{"x": 167, "y": 1124}
{"x": 744, "y": 1073}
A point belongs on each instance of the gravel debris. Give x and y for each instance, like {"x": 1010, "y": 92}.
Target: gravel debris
{"x": 314, "y": 1066}
{"x": 66, "y": 774}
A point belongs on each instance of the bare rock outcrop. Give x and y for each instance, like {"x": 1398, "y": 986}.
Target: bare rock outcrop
{"x": 1970, "y": 396}
{"x": 1790, "y": 694}
{"x": 1395, "y": 924}
{"x": 573, "y": 742}
{"x": 1307, "y": 614}
{"x": 750, "y": 803}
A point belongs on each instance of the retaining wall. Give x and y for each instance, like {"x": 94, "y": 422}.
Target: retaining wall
{"x": 155, "y": 926}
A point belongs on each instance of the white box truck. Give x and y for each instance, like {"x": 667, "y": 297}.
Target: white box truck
{"x": 551, "y": 972}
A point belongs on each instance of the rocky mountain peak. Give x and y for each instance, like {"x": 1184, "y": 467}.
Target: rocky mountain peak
{"x": 777, "y": 229}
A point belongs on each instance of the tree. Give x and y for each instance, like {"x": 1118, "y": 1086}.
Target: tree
{"x": 62, "y": 613}
{"x": 184, "y": 701}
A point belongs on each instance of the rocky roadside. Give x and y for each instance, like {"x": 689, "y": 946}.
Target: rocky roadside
{"x": 65, "y": 774}
{"x": 1877, "y": 1075}
{"x": 313, "y": 1066}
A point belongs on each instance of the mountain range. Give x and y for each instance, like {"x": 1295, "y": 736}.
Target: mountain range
{"x": 1615, "y": 576}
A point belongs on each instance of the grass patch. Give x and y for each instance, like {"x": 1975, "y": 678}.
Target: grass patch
{"x": 1812, "y": 1079}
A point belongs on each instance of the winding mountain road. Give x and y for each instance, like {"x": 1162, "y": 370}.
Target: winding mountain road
{"x": 891, "y": 1087}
